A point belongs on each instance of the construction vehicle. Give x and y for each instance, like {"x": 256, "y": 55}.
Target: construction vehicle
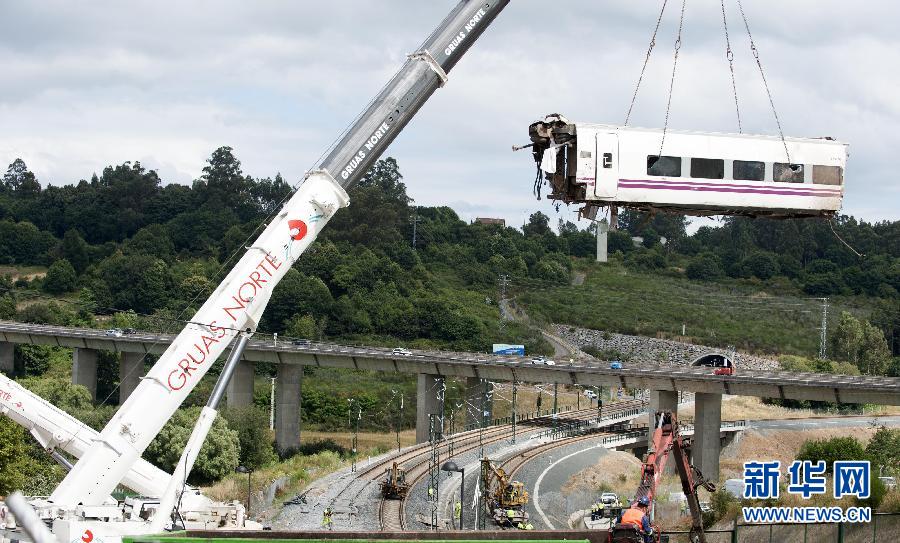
{"x": 394, "y": 485}
{"x": 666, "y": 441}
{"x": 505, "y": 500}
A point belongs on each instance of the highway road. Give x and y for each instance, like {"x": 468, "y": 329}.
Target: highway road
{"x": 585, "y": 371}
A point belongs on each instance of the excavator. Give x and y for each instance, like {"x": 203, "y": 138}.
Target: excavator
{"x": 505, "y": 499}
{"x": 666, "y": 441}
{"x": 394, "y": 485}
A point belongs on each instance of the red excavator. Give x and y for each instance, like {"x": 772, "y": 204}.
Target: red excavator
{"x": 666, "y": 440}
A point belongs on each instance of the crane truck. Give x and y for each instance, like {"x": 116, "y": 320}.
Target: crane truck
{"x": 81, "y": 508}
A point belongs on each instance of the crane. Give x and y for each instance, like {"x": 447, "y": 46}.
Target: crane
{"x": 79, "y": 507}
{"x": 666, "y": 441}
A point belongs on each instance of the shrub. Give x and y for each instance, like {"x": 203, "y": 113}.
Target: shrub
{"x": 705, "y": 267}
{"x": 761, "y": 265}
{"x": 218, "y": 456}
{"x": 829, "y": 450}
{"x": 315, "y": 447}
{"x": 252, "y": 427}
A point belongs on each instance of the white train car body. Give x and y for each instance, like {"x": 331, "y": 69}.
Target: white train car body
{"x": 697, "y": 173}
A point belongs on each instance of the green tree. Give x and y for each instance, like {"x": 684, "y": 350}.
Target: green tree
{"x": 302, "y": 326}
{"x": 538, "y": 225}
{"x": 704, "y": 267}
{"x": 60, "y": 277}
{"x": 13, "y": 455}
{"x": 884, "y": 450}
{"x": 20, "y": 179}
{"x": 254, "y": 436}
{"x": 74, "y": 249}
{"x": 761, "y": 265}
{"x": 847, "y": 338}
{"x": 218, "y": 456}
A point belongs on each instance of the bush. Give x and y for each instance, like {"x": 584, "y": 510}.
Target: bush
{"x": 60, "y": 277}
{"x": 761, "y": 265}
{"x": 829, "y": 450}
{"x": 705, "y": 267}
{"x": 252, "y": 427}
{"x": 218, "y": 457}
{"x": 316, "y": 447}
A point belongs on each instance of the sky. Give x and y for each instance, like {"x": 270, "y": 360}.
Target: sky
{"x": 87, "y": 85}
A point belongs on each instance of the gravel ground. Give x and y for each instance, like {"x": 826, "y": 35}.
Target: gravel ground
{"x": 645, "y": 350}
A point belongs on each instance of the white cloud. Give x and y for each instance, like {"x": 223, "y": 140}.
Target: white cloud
{"x": 88, "y": 85}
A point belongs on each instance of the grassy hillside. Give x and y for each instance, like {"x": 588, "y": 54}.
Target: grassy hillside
{"x": 744, "y": 313}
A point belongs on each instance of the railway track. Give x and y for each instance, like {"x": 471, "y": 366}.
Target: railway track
{"x": 417, "y": 461}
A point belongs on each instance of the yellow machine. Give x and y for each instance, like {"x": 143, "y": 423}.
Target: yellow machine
{"x": 505, "y": 499}
{"x": 394, "y": 485}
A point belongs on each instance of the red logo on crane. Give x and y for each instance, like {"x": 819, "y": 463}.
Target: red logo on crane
{"x": 88, "y": 536}
{"x": 298, "y": 229}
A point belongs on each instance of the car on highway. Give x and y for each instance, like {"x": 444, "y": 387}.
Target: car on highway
{"x": 615, "y": 365}
{"x": 114, "y": 332}
{"x": 591, "y": 395}
{"x": 301, "y": 342}
{"x": 539, "y": 360}
{"x": 129, "y": 331}
{"x": 401, "y": 351}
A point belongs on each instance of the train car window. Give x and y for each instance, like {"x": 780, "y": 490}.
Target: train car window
{"x": 708, "y": 168}
{"x": 828, "y": 175}
{"x": 787, "y": 173}
{"x": 667, "y": 166}
{"x": 748, "y": 170}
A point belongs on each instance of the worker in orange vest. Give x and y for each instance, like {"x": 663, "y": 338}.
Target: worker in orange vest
{"x": 637, "y": 516}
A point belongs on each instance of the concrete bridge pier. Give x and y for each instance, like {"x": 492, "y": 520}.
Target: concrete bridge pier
{"x": 131, "y": 369}
{"x": 288, "y": 386}
{"x": 7, "y": 358}
{"x": 429, "y": 395}
{"x": 240, "y": 389}
{"x": 84, "y": 369}
{"x": 707, "y": 444}
{"x": 479, "y": 401}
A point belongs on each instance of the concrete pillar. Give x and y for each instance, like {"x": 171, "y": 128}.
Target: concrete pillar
{"x": 602, "y": 238}
{"x": 84, "y": 369}
{"x": 661, "y": 400}
{"x": 7, "y": 358}
{"x": 428, "y": 400}
{"x": 475, "y": 391}
{"x": 131, "y": 369}
{"x": 707, "y": 423}
{"x": 240, "y": 389}
{"x": 288, "y": 383}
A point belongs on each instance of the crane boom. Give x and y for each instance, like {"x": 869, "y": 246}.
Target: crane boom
{"x": 238, "y": 302}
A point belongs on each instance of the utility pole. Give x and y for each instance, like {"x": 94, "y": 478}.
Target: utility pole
{"x": 434, "y": 468}
{"x": 514, "y": 414}
{"x": 353, "y": 447}
{"x": 415, "y": 221}
{"x": 824, "y": 337}
{"x": 555, "y": 391}
{"x": 399, "y": 421}
{"x": 272, "y": 405}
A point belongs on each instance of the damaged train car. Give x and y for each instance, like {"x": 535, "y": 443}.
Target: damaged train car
{"x": 692, "y": 173}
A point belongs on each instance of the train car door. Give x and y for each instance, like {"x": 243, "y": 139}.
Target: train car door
{"x": 607, "y": 154}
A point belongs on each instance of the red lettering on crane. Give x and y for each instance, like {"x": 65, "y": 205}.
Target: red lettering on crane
{"x": 88, "y": 536}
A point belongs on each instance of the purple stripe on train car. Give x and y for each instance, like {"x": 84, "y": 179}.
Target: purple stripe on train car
{"x": 797, "y": 186}
{"x": 736, "y": 190}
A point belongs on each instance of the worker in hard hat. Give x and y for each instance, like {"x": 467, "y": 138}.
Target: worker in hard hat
{"x": 511, "y": 516}
{"x": 637, "y": 516}
{"x": 525, "y": 526}
{"x": 457, "y": 510}
{"x": 326, "y": 518}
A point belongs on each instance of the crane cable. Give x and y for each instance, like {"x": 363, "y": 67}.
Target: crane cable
{"x": 672, "y": 81}
{"x": 729, "y": 54}
{"x": 762, "y": 73}
{"x": 646, "y": 60}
